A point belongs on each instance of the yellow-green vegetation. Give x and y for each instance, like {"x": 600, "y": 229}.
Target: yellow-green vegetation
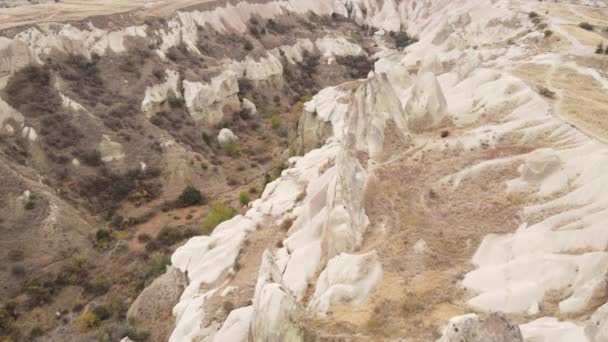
{"x": 122, "y": 235}
{"x": 219, "y": 213}
{"x": 276, "y": 121}
{"x": 6, "y": 319}
{"x": 412, "y": 304}
{"x": 275, "y": 172}
{"x": 375, "y": 326}
{"x": 293, "y": 146}
{"x": 87, "y": 320}
{"x": 232, "y": 149}
{"x": 244, "y": 198}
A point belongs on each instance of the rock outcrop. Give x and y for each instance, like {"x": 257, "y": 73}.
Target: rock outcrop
{"x": 159, "y": 93}
{"x": 149, "y": 312}
{"x": 206, "y": 101}
{"x": 427, "y": 106}
{"x": 226, "y": 137}
{"x": 276, "y": 313}
{"x": 472, "y": 328}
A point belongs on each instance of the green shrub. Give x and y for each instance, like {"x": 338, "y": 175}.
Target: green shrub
{"x": 232, "y": 149}
{"x": 117, "y": 306}
{"x": 190, "y": 196}
{"x": 6, "y": 319}
{"x": 276, "y": 122}
{"x": 244, "y": 198}
{"x": 168, "y": 236}
{"x": 176, "y": 102}
{"x": 143, "y": 237}
{"x": 219, "y": 213}
{"x": 157, "y": 265}
{"x": 30, "y": 204}
{"x": 103, "y": 234}
{"x": 102, "y": 312}
{"x": 88, "y": 320}
{"x": 402, "y": 40}
{"x": 36, "y": 331}
{"x": 39, "y": 295}
{"x": 248, "y": 45}
{"x": 586, "y": 26}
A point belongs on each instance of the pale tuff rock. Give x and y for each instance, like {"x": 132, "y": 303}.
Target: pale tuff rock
{"x": 294, "y": 53}
{"x": 346, "y": 220}
{"x": 337, "y": 46}
{"x": 29, "y": 133}
{"x": 183, "y": 29}
{"x": 348, "y": 278}
{"x": 249, "y": 106}
{"x": 110, "y": 150}
{"x": 236, "y": 325}
{"x": 159, "y": 93}
{"x": 426, "y": 106}
{"x": 226, "y": 137}
{"x": 257, "y": 70}
{"x": 71, "y": 104}
{"x": 431, "y": 64}
{"x": 549, "y": 329}
{"x": 312, "y": 132}
{"x": 472, "y": 328}
{"x": 14, "y": 55}
{"x": 206, "y": 101}
{"x": 539, "y": 165}
{"x": 10, "y": 119}
{"x": 597, "y": 327}
{"x": 276, "y": 313}
{"x": 71, "y": 40}
{"x": 507, "y": 287}
{"x": 149, "y": 306}
{"x": 421, "y": 247}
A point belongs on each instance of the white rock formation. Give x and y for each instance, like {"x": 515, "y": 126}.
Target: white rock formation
{"x": 276, "y": 313}
{"x": 183, "y": 29}
{"x": 206, "y": 101}
{"x": 236, "y": 325}
{"x": 13, "y": 56}
{"x": 348, "y": 278}
{"x": 225, "y": 137}
{"x": 426, "y": 106}
{"x": 549, "y": 329}
{"x": 472, "y": 328}
{"x": 69, "y": 39}
{"x": 10, "y": 119}
{"x": 110, "y": 150}
{"x": 331, "y": 46}
{"x": 249, "y": 106}
{"x": 596, "y": 329}
{"x": 159, "y": 93}
{"x": 29, "y": 133}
